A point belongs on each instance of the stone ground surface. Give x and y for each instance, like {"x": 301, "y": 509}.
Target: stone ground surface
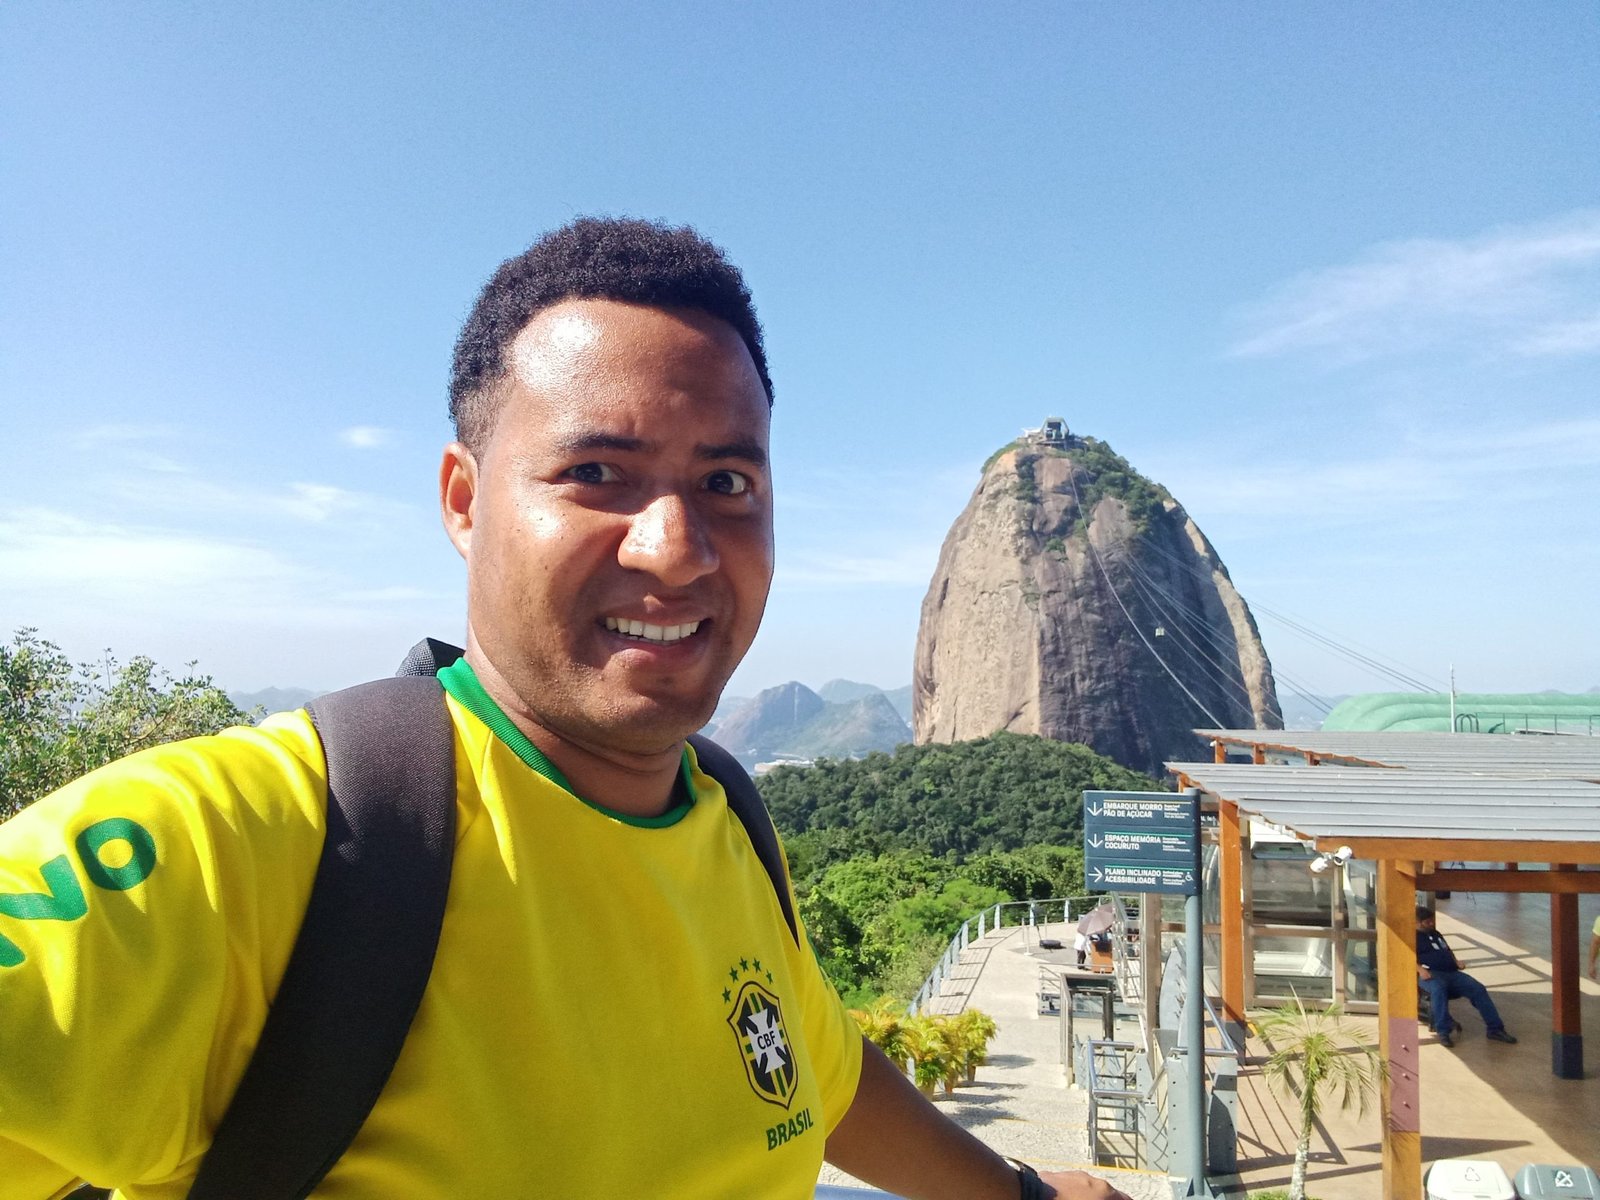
{"x": 1021, "y": 1104}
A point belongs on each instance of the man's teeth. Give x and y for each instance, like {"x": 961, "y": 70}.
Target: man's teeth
{"x": 651, "y": 633}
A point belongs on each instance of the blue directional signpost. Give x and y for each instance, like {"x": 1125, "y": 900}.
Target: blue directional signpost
{"x": 1150, "y": 842}
{"x": 1142, "y": 842}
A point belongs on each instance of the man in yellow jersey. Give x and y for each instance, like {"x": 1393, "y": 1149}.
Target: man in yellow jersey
{"x": 617, "y": 1006}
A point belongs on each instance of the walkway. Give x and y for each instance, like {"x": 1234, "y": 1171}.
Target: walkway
{"x": 1021, "y": 1104}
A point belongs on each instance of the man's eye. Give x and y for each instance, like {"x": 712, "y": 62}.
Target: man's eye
{"x": 727, "y": 483}
{"x": 593, "y": 473}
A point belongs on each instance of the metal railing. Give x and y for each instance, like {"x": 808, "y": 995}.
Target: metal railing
{"x": 1027, "y": 913}
{"x": 1482, "y": 721}
{"x": 1126, "y": 953}
{"x": 1110, "y": 1072}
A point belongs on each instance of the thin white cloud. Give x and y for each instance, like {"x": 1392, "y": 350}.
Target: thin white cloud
{"x": 127, "y": 445}
{"x": 314, "y": 503}
{"x": 44, "y": 552}
{"x": 56, "y": 567}
{"x": 898, "y": 565}
{"x": 1517, "y": 469}
{"x": 395, "y": 594}
{"x": 322, "y": 502}
{"x": 120, "y": 433}
{"x": 1564, "y": 337}
{"x": 366, "y": 437}
{"x": 1521, "y": 289}
{"x": 864, "y": 528}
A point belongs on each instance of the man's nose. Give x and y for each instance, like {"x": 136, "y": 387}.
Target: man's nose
{"x": 669, "y": 540}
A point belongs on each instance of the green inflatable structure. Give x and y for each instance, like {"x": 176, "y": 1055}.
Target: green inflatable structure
{"x": 1533, "y": 712}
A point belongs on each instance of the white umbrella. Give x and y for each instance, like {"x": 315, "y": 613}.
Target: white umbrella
{"x": 1097, "y": 920}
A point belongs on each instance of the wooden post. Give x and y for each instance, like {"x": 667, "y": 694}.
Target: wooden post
{"x": 1229, "y": 861}
{"x": 1397, "y": 1030}
{"x": 1566, "y": 1020}
{"x": 1258, "y": 755}
{"x": 1219, "y": 752}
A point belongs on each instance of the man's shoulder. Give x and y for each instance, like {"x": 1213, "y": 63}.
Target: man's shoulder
{"x": 234, "y": 782}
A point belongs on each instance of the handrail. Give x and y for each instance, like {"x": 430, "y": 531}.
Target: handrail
{"x": 975, "y": 928}
{"x": 1226, "y": 1050}
{"x": 1123, "y": 964}
{"x": 1127, "y": 1110}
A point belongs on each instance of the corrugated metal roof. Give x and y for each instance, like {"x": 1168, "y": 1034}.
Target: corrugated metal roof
{"x": 1357, "y": 802}
{"x": 1546, "y": 757}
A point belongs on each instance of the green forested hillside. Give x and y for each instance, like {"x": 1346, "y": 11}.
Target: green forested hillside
{"x": 891, "y": 852}
{"x": 997, "y": 793}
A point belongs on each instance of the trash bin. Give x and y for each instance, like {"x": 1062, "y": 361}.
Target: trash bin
{"x": 1468, "y": 1179}
{"x": 1568, "y": 1183}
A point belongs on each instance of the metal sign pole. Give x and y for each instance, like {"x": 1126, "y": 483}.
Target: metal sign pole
{"x": 1194, "y": 1018}
{"x": 1149, "y": 842}
{"x": 1195, "y": 1036}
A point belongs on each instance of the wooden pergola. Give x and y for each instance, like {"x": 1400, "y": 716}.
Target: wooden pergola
{"x": 1435, "y": 798}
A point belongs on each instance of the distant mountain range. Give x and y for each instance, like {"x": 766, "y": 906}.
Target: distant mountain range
{"x": 844, "y": 720}
{"x": 274, "y": 699}
{"x": 1306, "y": 712}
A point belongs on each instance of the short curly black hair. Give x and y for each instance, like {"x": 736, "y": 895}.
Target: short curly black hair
{"x": 606, "y": 258}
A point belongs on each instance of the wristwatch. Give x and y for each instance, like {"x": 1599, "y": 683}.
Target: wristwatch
{"x": 1033, "y": 1188}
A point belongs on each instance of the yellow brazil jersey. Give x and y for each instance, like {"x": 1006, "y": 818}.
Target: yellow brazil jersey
{"x": 617, "y": 1006}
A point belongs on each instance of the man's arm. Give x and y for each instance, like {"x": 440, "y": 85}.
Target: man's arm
{"x": 893, "y": 1138}
{"x": 1594, "y": 951}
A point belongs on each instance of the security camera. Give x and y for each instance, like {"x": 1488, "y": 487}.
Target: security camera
{"x": 1343, "y": 855}
{"x": 1320, "y": 864}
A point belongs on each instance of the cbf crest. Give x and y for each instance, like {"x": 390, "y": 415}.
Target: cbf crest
{"x": 756, "y": 1019}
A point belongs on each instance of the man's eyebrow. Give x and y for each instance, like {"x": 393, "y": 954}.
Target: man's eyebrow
{"x": 583, "y": 443}
{"x": 748, "y": 449}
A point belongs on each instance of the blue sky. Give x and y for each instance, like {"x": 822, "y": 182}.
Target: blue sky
{"x": 1330, "y": 272}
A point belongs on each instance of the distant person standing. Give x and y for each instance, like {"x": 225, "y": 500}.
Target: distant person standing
{"x": 1444, "y": 980}
{"x": 1594, "y": 948}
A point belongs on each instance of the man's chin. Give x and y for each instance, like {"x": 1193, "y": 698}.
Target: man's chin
{"x": 646, "y": 726}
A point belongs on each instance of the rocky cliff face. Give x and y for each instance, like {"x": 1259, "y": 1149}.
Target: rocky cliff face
{"x": 1076, "y": 600}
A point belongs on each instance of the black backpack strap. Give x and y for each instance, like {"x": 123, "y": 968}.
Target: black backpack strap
{"x": 429, "y": 657}
{"x": 365, "y": 949}
{"x": 747, "y": 805}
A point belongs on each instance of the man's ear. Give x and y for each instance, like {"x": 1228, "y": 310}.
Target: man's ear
{"x": 458, "y": 492}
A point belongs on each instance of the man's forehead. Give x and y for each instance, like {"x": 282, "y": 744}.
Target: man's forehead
{"x": 573, "y": 335}
{"x": 554, "y": 345}
{"x": 601, "y": 375}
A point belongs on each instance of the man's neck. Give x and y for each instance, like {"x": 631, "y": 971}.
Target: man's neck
{"x": 634, "y": 785}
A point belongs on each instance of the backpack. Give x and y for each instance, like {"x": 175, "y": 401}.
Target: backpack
{"x": 361, "y": 960}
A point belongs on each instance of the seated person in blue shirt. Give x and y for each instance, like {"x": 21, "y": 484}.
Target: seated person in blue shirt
{"x": 1443, "y": 979}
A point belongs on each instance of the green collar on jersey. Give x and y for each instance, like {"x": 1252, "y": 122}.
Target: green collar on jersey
{"x": 461, "y": 681}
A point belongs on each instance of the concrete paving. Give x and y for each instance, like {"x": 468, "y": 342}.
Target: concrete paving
{"x": 1021, "y": 1104}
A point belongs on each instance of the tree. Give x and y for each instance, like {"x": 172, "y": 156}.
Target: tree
{"x": 1315, "y": 1057}
{"x": 1002, "y": 792}
{"x": 58, "y": 721}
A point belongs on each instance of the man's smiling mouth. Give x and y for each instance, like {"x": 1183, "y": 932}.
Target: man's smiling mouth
{"x": 661, "y": 634}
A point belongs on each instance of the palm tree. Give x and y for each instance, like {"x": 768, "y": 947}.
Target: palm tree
{"x": 885, "y": 1026}
{"x": 975, "y": 1029}
{"x": 1318, "y": 1056}
{"x": 932, "y": 1055}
